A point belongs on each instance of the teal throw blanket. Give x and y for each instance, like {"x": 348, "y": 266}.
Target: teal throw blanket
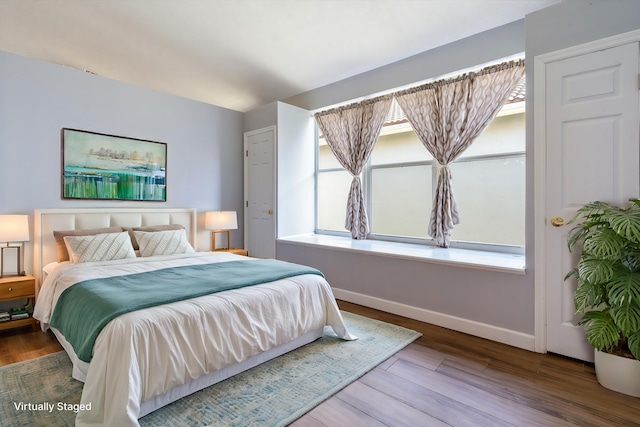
{"x": 86, "y": 307}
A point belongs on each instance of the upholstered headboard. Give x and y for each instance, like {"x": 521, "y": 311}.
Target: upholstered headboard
{"x": 46, "y": 221}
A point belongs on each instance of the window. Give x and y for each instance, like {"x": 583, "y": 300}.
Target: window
{"x": 488, "y": 184}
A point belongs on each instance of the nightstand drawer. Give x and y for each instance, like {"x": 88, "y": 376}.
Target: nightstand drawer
{"x": 15, "y": 290}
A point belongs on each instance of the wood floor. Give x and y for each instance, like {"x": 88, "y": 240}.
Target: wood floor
{"x": 445, "y": 378}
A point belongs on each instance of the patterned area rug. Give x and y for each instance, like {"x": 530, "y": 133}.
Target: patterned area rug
{"x": 272, "y": 394}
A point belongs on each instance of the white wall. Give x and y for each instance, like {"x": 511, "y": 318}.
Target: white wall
{"x": 37, "y": 99}
{"x": 296, "y": 170}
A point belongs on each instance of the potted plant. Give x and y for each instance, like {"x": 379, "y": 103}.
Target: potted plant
{"x": 608, "y": 293}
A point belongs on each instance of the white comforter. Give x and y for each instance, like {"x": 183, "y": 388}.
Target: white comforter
{"x": 143, "y": 354}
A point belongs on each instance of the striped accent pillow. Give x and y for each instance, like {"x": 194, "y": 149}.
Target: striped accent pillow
{"x": 99, "y": 247}
{"x": 61, "y": 246}
{"x": 167, "y": 242}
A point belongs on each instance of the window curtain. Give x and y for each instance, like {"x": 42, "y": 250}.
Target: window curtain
{"x": 351, "y": 132}
{"x": 448, "y": 115}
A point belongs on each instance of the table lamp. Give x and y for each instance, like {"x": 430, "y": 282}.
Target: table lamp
{"x": 13, "y": 229}
{"x": 221, "y": 222}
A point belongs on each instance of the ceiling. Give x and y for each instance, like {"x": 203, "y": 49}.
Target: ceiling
{"x": 240, "y": 54}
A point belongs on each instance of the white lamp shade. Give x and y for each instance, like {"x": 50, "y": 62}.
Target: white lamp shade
{"x": 14, "y": 228}
{"x": 225, "y": 220}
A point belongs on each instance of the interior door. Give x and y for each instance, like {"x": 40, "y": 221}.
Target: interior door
{"x": 592, "y": 153}
{"x": 260, "y": 193}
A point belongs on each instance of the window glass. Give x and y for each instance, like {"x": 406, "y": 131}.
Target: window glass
{"x": 490, "y": 198}
{"x": 401, "y": 200}
{"x": 326, "y": 159}
{"x": 333, "y": 189}
{"x": 488, "y": 182}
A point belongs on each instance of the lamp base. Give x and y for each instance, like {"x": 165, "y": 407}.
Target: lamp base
{"x": 213, "y": 239}
{"x": 18, "y": 272}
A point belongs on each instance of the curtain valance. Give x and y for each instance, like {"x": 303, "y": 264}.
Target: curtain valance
{"x": 466, "y": 76}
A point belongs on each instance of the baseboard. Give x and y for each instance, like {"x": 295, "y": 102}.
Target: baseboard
{"x": 483, "y": 330}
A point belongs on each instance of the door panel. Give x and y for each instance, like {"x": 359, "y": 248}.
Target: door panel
{"x": 260, "y": 190}
{"x": 587, "y": 148}
{"x": 592, "y": 149}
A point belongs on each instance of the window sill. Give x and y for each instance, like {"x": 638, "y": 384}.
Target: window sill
{"x": 511, "y": 263}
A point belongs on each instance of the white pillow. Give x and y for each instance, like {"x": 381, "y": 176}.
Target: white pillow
{"x": 99, "y": 247}
{"x": 167, "y": 242}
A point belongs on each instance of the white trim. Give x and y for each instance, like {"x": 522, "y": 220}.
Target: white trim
{"x": 540, "y": 166}
{"x": 482, "y": 260}
{"x": 540, "y": 207}
{"x": 482, "y": 330}
{"x": 590, "y": 47}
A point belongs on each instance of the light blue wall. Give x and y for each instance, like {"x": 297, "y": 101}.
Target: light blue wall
{"x": 37, "y": 99}
{"x": 261, "y": 117}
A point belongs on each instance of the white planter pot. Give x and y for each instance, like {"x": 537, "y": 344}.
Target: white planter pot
{"x": 618, "y": 373}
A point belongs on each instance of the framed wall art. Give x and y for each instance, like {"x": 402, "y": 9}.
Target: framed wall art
{"x": 110, "y": 167}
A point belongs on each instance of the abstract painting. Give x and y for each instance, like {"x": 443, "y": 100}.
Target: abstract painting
{"x": 110, "y": 167}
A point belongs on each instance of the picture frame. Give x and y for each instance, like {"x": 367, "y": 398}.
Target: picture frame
{"x": 109, "y": 167}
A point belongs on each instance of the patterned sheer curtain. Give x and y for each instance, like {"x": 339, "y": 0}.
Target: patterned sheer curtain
{"x": 447, "y": 116}
{"x": 351, "y": 132}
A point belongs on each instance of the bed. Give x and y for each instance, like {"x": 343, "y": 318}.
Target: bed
{"x": 139, "y": 359}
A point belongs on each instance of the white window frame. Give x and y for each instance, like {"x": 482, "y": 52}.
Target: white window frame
{"x": 513, "y": 108}
{"x": 492, "y": 247}
{"x": 366, "y": 181}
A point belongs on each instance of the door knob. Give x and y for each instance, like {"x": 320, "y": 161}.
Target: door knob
{"x": 557, "y": 221}
{"x": 270, "y": 212}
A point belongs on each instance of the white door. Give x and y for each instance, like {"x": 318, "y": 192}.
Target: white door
{"x": 592, "y": 153}
{"x": 260, "y": 192}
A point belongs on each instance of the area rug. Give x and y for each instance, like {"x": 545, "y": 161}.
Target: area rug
{"x": 272, "y": 394}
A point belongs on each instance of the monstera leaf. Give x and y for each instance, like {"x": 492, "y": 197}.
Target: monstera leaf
{"x": 588, "y": 296}
{"x": 632, "y": 259}
{"x": 634, "y": 345}
{"x": 604, "y": 243}
{"x": 602, "y": 332}
{"x": 595, "y": 270}
{"x": 624, "y": 288}
{"x": 626, "y": 222}
{"x": 627, "y": 318}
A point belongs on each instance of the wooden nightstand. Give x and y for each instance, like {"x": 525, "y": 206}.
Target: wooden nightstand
{"x": 233, "y": 251}
{"x": 14, "y": 288}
